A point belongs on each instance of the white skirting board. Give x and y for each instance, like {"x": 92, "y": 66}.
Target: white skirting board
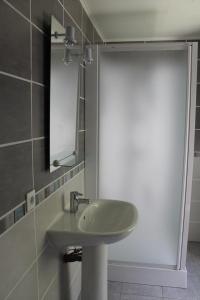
{"x": 147, "y": 275}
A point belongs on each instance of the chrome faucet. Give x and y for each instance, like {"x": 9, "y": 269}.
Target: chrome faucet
{"x": 75, "y": 200}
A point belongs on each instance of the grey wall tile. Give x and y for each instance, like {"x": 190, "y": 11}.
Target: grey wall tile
{"x": 16, "y": 175}
{"x": 45, "y": 214}
{"x": 74, "y": 8}
{"x": 48, "y": 266}
{"x": 142, "y": 289}
{"x": 18, "y": 244}
{"x": 198, "y": 95}
{"x": 17, "y": 253}
{"x": 22, "y": 5}
{"x": 41, "y": 13}
{"x": 6, "y": 222}
{"x": 197, "y": 140}
{"x": 28, "y": 288}
{"x": 87, "y": 26}
{"x": 42, "y": 176}
{"x": 40, "y": 102}
{"x": 14, "y": 59}
{"x": 15, "y": 110}
{"x": 40, "y": 57}
{"x": 197, "y": 123}
{"x": 198, "y": 72}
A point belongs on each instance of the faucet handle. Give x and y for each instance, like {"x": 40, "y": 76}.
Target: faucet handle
{"x": 79, "y": 194}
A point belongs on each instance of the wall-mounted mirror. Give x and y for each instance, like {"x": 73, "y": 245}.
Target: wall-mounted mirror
{"x": 64, "y": 94}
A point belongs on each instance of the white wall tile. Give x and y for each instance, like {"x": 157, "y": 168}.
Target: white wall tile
{"x": 28, "y": 288}
{"x": 46, "y": 212}
{"x": 18, "y": 252}
{"x": 17, "y": 248}
{"x": 75, "y": 184}
{"x": 48, "y": 266}
{"x": 54, "y": 291}
{"x": 48, "y": 263}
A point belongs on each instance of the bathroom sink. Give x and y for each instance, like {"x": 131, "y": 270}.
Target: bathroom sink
{"x": 101, "y": 222}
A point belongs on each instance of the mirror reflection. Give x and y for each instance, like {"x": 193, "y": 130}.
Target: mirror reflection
{"x": 64, "y": 93}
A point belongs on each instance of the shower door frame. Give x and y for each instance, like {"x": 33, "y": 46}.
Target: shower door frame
{"x": 144, "y": 273}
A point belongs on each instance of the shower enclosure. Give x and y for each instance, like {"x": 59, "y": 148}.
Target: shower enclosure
{"x": 140, "y": 116}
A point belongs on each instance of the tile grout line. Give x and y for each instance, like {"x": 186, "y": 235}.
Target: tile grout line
{"x": 32, "y": 158}
{"x": 31, "y": 66}
{"x": 32, "y": 139}
{"x": 22, "y": 15}
{"x": 7, "y": 229}
{"x": 21, "y": 279}
{"x": 49, "y": 286}
{"x": 25, "y": 273}
{"x": 36, "y": 254}
{"x": 21, "y": 142}
{"x": 38, "y": 28}
{"x": 52, "y": 182}
{"x": 73, "y": 20}
{"x": 16, "y": 10}
{"x": 63, "y": 13}
{"x": 21, "y": 78}
{"x": 12, "y": 211}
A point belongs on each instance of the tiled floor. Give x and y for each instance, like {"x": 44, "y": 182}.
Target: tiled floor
{"x": 127, "y": 291}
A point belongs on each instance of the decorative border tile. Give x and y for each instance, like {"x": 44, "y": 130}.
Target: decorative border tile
{"x": 55, "y": 185}
{"x": 15, "y": 215}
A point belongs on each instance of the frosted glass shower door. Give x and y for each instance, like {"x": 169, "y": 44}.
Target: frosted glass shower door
{"x": 142, "y": 137}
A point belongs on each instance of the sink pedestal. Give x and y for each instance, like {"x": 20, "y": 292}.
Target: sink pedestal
{"x": 94, "y": 273}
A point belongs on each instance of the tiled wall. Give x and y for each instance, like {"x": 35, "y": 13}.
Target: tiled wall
{"x": 24, "y": 86}
{"x": 194, "y": 232}
{"x": 30, "y": 266}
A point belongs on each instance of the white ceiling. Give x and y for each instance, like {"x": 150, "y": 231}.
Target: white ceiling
{"x": 129, "y": 20}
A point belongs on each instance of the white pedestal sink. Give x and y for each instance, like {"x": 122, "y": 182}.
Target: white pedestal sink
{"x": 102, "y": 222}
